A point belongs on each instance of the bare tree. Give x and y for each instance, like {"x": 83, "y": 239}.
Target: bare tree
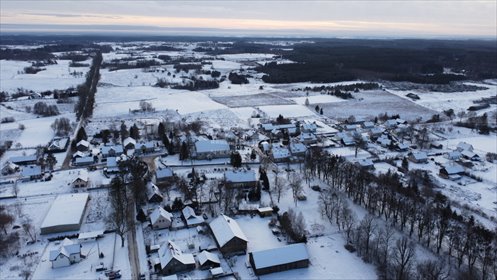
{"x": 120, "y": 202}
{"x": 403, "y": 258}
{"x": 29, "y": 229}
{"x": 347, "y": 219}
{"x": 279, "y": 186}
{"x": 432, "y": 270}
{"x": 295, "y": 182}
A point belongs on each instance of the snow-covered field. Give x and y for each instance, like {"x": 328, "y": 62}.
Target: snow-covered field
{"x": 56, "y": 76}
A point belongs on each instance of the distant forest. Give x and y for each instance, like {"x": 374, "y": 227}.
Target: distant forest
{"x": 418, "y": 61}
{"x": 324, "y": 60}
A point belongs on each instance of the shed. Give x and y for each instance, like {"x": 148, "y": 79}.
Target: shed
{"x": 191, "y": 219}
{"x": 451, "y": 172}
{"x": 173, "y": 260}
{"x": 279, "y": 259}
{"x": 208, "y": 260}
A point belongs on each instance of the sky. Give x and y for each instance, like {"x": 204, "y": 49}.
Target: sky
{"x": 366, "y": 18}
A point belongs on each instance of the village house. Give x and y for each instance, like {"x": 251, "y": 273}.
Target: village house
{"x": 164, "y": 175}
{"x": 452, "y": 172}
{"x": 129, "y": 143}
{"x": 81, "y": 180}
{"x": 243, "y": 179}
{"x": 308, "y": 138}
{"x": 160, "y": 218}
{"x": 279, "y": 259}
{"x": 297, "y": 149}
{"x": 82, "y": 161}
{"x": 265, "y": 211}
{"x": 172, "y": 260}
{"x": 154, "y": 195}
{"x": 208, "y": 260}
{"x": 9, "y": 168}
{"x": 309, "y": 128}
{"x": 468, "y": 154}
{"x": 280, "y": 154}
{"x": 145, "y": 147}
{"x": 111, "y": 151}
{"x": 58, "y": 144}
{"x": 31, "y": 172}
{"x": 68, "y": 253}
{"x": 365, "y": 163}
{"x": 454, "y": 155}
{"x": 24, "y": 160}
{"x": 190, "y": 218}
{"x": 463, "y": 146}
{"x": 418, "y": 157}
{"x": 111, "y": 166}
{"x": 210, "y": 149}
{"x": 368, "y": 125}
{"x": 228, "y": 235}
{"x": 83, "y": 146}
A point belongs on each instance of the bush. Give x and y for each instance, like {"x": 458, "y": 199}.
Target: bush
{"x": 41, "y": 108}
{"x": 61, "y": 126}
{"x": 7, "y": 120}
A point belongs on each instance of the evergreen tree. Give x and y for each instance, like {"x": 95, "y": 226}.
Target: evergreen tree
{"x": 134, "y": 132}
{"x": 184, "y": 153}
{"x": 236, "y": 159}
{"x": 161, "y": 130}
{"x": 81, "y": 135}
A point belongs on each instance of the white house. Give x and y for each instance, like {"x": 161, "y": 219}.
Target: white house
{"x": 129, "y": 143}
{"x": 68, "y": 253}
{"x": 160, "y": 218}
{"x": 81, "y": 180}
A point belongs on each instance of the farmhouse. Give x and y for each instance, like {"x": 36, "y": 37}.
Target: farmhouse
{"x": 24, "y": 160}
{"x": 191, "y": 219}
{"x": 208, "y": 260}
{"x": 65, "y": 214}
{"x": 111, "y": 151}
{"x": 468, "y": 154}
{"x": 9, "y": 168}
{"x": 297, "y": 149}
{"x": 81, "y": 180}
{"x": 111, "y": 165}
{"x": 451, "y": 172}
{"x": 145, "y": 147}
{"x": 309, "y": 127}
{"x": 83, "y": 146}
{"x": 68, "y": 253}
{"x": 82, "y": 161}
{"x": 308, "y": 138}
{"x": 418, "y": 157}
{"x": 365, "y": 163}
{"x": 463, "y": 146}
{"x": 173, "y": 260}
{"x": 153, "y": 193}
{"x": 454, "y": 155}
{"x": 280, "y": 154}
{"x": 240, "y": 179}
{"x": 58, "y": 144}
{"x": 160, "y": 218}
{"x": 164, "y": 175}
{"x": 129, "y": 143}
{"x": 228, "y": 235}
{"x": 31, "y": 172}
{"x": 279, "y": 259}
{"x": 209, "y": 149}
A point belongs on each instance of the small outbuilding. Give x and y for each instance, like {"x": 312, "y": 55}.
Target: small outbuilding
{"x": 208, "y": 260}
{"x": 172, "y": 260}
{"x": 279, "y": 259}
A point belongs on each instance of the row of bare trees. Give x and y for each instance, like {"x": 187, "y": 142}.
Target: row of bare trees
{"x": 414, "y": 208}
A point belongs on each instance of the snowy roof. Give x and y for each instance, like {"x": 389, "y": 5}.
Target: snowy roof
{"x": 90, "y": 234}
{"x": 391, "y": 123}
{"x": 20, "y": 159}
{"x": 377, "y": 130}
{"x": 158, "y": 213}
{"x": 152, "y": 190}
{"x": 83, "y": 160}
{"x": 207, "y": 146}
{"x": 368, "y": 125}
{"x": 118, "y": 149}
{"x": 453, "y": 169}
{"x": 270, "y": 126}
{"x": 279, "y": 256}
{"x": 297, "y": 148}
{"x": 280, "y": 152}
{"x": 307, "y": 136}
{"x": 79, "y": 154}
{"x": 309, "y": 126}
{"x": 31, "y": 170}
{"x": 163, "y": 173}
{"x": 462, "y": 146}
{"x": 420, "y": 155}
{"x": 129, "y": 140}
{"x": 169, "y": 251}
{"x": 82, "y": 175}
{"x": 146, "y": 145}
{"x": 454, "y": 155}
{"x": 111, "y": 162}
{"x": 67, "y": 209}
{"x": 190, "y": 216}
{"x": 58, "y": 143}
{"x": 67, "y": 248}
{"x": 216, "y": 271}
{"x": 365, "y": 162}
{"x": 225, "y": 228}
{"x": 205, "y": 256}
{"x": 240, "y": 176}
{"x": 83, "y": 143}
{"x": 468, "y": 154}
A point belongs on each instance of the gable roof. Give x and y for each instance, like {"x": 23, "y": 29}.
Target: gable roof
{"x": 420, "y": 156}
{"x": 190, "y": 216}
{"x": 453, "y": 169}
{"x": 170, "y": 251}
{"x": 209, "y": 146}
{"x": 118, "y": 149}
{"x": 206, "y": 256}
{"x": 83, "y": 143}
{"x": 225, "y": 229}
{"x": 278, "y": 256}
{"x": 128, "y": 141}
{"x": 240, "y": 176}
{"x": 163, "y": 173}
{"x": 66, "y": 248}
{"x": 158, "y": 213}
{"x": 31, "y": 170}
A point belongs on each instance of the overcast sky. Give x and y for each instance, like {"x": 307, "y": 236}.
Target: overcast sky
{"x": 399, "y": 18}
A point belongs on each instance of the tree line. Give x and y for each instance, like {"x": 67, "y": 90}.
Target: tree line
{"x": 418, "y": 211}
{"x": 87, "y": 90}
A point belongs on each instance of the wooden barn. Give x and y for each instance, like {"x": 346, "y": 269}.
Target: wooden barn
{"x": 228, "y": 235}
{"x": 279, "y": 259}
